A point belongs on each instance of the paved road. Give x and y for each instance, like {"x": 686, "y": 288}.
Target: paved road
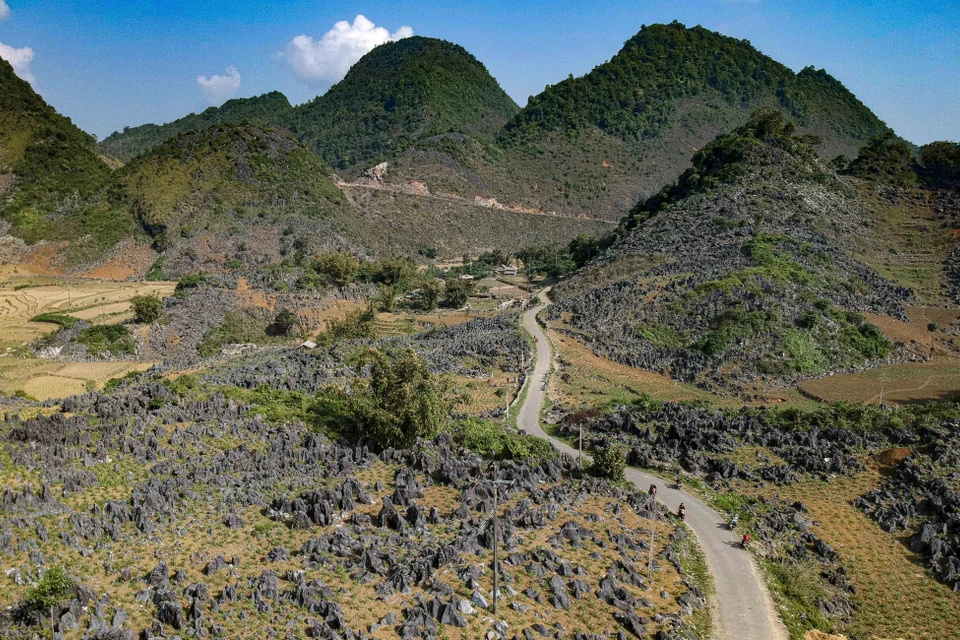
{"x": 744, "y": 609}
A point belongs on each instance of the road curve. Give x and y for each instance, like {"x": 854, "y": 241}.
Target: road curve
{"x": 744, "y": 609}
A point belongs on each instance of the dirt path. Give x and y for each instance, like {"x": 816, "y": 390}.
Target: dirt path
{"x": 483, "y": 204}
{"x": 744, "y": 608}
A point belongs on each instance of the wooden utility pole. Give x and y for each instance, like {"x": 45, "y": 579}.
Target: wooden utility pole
{"x": 496, "y": 536}
{"x": 653, "y": 536}
{"x": 580, "y": 456}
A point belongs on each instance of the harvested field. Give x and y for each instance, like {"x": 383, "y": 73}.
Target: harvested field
{"x": 588, "y": 379}
{"x": 44, "y": 379}
{"x": 938, "y": 379}
{"x": 91, "y": 300}
{"x": 897, "y": 595}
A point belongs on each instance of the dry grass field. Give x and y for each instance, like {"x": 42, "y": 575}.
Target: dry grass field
{"x": 938, "y": 379}
{"x": 898, "y": 597}
{"x": 588, "y": 379}
{"x": 45, "y": 379}
{"x": 94, "y": 301}
{"x": 90, "y": 300}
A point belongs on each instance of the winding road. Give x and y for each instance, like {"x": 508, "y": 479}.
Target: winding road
{"x": 743, "y": 609}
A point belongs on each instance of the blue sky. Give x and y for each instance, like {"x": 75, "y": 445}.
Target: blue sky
{"x": 111, "y": 63}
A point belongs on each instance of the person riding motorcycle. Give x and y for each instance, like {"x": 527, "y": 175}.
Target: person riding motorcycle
{"x": 653, "y": 489}
{"x": 677, "y": 480}
{"x": 734, "y": 521}
{"x": 682, "y": 511}
{"x": 746, "y": 541}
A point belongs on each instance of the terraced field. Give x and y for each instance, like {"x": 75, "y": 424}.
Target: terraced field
{"x": 92, "y": 301}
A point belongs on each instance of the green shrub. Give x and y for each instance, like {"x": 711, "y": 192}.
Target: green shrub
{"x": 355, "y": 325}
{"x": 285, "y": 322}
{"x": 665, "y": 337}
{"x": 107, "y": 339}
{"x": 492, "y": 440}
{"x": 805, "y": 355}
{"x": 610, "y": 462}
{"x": 341, "y": 267}
{"x": 156, "y": 271}
{"x": 234, "y": 263}
{"x": 146, "y": 309}
{"x": 188, "y": 282}
{"x": 59, "y": 319}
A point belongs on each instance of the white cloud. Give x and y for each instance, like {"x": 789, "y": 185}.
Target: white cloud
{"x": 327, "y": 60}
{"x": 19, "y": 59}
{"x": 4, "y": 10}
{"x": 218, "y": 89}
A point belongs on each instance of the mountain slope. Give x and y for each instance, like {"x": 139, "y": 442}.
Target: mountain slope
{"x": 224, "y": 178}
{"x": 48, "y": 167}
{"x": 741, "y": 269}
{"x": 400, "y": 92}
{"x": 270, "y": 109}
{"x": 599, "y": 143}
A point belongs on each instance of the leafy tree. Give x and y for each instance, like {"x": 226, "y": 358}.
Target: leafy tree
{"x": 886, "y": 158}
{"x": 430, "y": 295}
{"x": 355, "y": 325}
{"x": 400, "y": 401}
{"x": 146, "y": 309}
{"x": 940, "y": 163}
{"x": 610, "y": 462}
{"x": 547, "y": 259}
{"x": 52, "y": 588}
{"x": 285, "y": 322}
{"x": 340, "y": 266}
{"x": 458, "y": 292}
{"x": 390, "y": 271}
{"x": 388, "y": 297}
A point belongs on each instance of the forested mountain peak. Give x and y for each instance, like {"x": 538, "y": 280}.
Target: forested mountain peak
{"x": 399, "y": 92}
{"x": 269, "y": 109}
{"x": 634, "y": 95}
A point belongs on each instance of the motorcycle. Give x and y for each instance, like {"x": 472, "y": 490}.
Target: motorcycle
{"x": 734, "y": 521}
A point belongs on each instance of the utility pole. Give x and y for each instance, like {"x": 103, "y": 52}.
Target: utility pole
{"x": 580, "y": 457}
{"x": 653, "y": 536}
{"x": 496, "y": 536}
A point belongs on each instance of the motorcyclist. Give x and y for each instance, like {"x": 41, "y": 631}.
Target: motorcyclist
{"x": 677, "y": 480}
{"x": 734, "y": 521}
{"x": 653, "y": 489}
{"x": 746, "y": 540}
{"x": 682, "y": 511}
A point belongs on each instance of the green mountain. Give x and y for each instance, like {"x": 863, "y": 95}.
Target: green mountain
{"x": 746, "y": 268}
{"x": 396, "y": 94}
{"x": 48, "y": 168}
{"x": 271, "y": 109}
{"x": 638, "y": 94}
{"x": 224, "y": 177}
{"x": 400, "y": 92}
{"x": 598, "y": 144}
